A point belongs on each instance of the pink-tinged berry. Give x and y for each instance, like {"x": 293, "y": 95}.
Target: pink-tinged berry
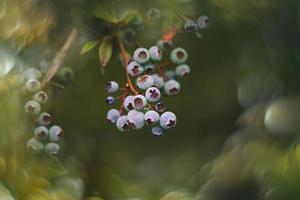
{"x": 158, "y": 81}
{"x": 144, "y": 82}
{"x": 179, "y": 56}
{"x": 35, "y": 146}
{"x": 52, "y": 148}
{"x": 155, "y": 53}
{"x": 167, "y": 120}
{"x": 40, "y": 97}
{"x": 33, "y": 85}
{"x": 45, "y": 119}
{"x": 41, "y": 133}
{"x": 111, "y": 87}
{"x": 203, "y": 22}
{"x": 157, "y": 131}
{"x": 32, "y": 107}
{"x": 172, "y": 87}
{"x": 149, "y": 68}
{"x": 113, "y": 115}
{"x": 141, "y": 55}
{"x": 151, "y": 117}
{"x": 136, "y": 118}
{"x": 160, "y": 107}
{"x": 182, "y": 70}
{"x": 123, "y": 124}
{"x": 135, "y": 69}
{"x": 55, "y": 133}
{"x": 152, "y": 94}
{"x": 139, "y": 102}
{"x": 128, "y": 103}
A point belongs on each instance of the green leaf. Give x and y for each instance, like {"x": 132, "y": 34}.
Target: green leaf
{"x": 128, "y": 17}
{"x": 105, "y": 51}
{"x": 89, "y": 46}
{"x": 105, "y": 10}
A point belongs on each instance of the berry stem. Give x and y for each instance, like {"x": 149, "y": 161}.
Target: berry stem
{"x": 126, "y": 60}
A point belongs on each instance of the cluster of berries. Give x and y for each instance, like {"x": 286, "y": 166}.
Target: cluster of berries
{"x": 43, "y": 119}
{"x": 144, "y": 106}
{"x": 202, "y": 22}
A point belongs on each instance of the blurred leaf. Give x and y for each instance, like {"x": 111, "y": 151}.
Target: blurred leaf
{"x": 105, "y": 51}
{"x": 89, "y": 46}
{"x": 128, "y": 17}
{"x": 105, "y": 10}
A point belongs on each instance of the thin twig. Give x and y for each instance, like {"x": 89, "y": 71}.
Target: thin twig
{"x": 59, "y": 58}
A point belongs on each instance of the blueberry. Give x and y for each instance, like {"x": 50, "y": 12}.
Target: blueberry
{"x": 163, "y": 45}
{"x": 32, "y": 107}
{"x": 55, "y": 133}
{"x": 136, "y": 118}
{"x": 32, "y": 73}
{"x": 66, "y": 74}
{"x": 151, "y": 117}
{"x": 52, "y": 148}
{"x": 40, "y": 97}
{"x": 153, "y": 14}
{"x": 179, "y": 56}
{"x": 144, "y": 82}
{"x": 41, "y": 133}
{"x": 33, "y": 85}
{"x": 123, "y": 124}
{"x": 111, "y": 87}
{"x": 149, "y": 68}
{"x": 113, "y": 115}
{"x": 134, "y": 69}
{"x": 203, "y": 22}
{"x": 158, "y": 81}
{"x": 190, "y": 25}
{"x": 128, "y": 103}
{"x": 172, "y": 87}
{"x": 167, "y": 120}
{"x": 139, "y": 102}
{"x": 35, "y": 146}
{"x": 45, "y": 119}
{"x": 160, "y": 107}
{"x": 155, "y": 53}
{"x": 152, "y": 94}
{"x": 157, "y": 131}
{"x": 141, "y": 55}
{"x": 110, "y": 100}
{"x": 182, "y": 70}
{"x": 170, "y": 74}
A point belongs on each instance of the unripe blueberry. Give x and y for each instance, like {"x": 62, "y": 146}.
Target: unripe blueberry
{"x": 128, "y": 103}
{"x": 41, "y": 133}
{"x": 151, "y": 117}
{"x": 141, "y": 55}
{"x": 179, "y": 56}
{"x": 110, "y": 100}
{"x": 55, "y": 133}
{"x": 190, "y": 25}
{"x": 45, "y": 119}
{"x": 129, "y": 35}
{"x": 136, "y": 118}
{"x": 203, "y": 22}
{"x": 111, "y": 87}
{"x": 170, "y": 74}
{"x": 155, "y": 53}
{"x": 157, "y": 131}
{"x": 172, "y": 87}
{"x": 152, "y": 94}
{"x": 137, "y": 23}
{"x": 66, "y": 74}
{"x": 160, "y": 107}
{"x": 144, "y": 82}
{"x": 35, "y": 146}
{"x": 113, "y": 115}
{"x": 40, "y": 97}
{"x": 153, "y": 14}
{"x": 139, "y": 102}
{"x": 135, "y": 69}
{"x": 32, "y": 107}
{"x": 123, "y": 124}
{"x": 167, "y": 120}
{"x": 149, "y": 68}
{"x": 52, "y": 148}
{"x": 182, "y": 70}
{"x": 32, "y": 73}
{"x": 158, "y": 81}
{"x": 33, "y": 85}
